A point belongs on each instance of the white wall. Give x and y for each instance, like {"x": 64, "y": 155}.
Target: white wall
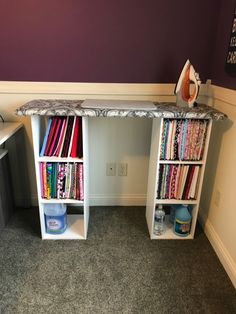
{"x": 218, "y": 202}
{"x": 118, "y": 140}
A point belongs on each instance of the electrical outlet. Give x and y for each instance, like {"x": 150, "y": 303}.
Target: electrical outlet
{"x": 111, "y": 169}
{"x": 122, "y": 169}
{"x": 217, "y": 198}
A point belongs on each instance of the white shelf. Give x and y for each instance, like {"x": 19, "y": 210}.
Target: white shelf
{"x": 174, "y": 201}
{"x": 61, "y": 200}
{"x": 182, "y": 162}
{"x": 74, "y": 230}
{"x": 169, "y": 232}
{"x": 58, "y": 159}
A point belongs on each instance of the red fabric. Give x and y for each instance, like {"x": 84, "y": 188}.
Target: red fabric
{"x": 55, "y": 137}
{"x": 74, "y": 148}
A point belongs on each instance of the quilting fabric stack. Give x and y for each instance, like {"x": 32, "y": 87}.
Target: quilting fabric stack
{"x": 178, "y": 181}
{"x": 183, "y": 139}
{"x": 62, "y": 180}
{"x": 63, "y": 137}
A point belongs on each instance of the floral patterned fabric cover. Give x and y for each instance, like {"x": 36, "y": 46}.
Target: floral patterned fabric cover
{"x": 75, "y": 108}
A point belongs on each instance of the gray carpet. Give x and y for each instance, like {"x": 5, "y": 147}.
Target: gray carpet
{"x": 117, "y": 270}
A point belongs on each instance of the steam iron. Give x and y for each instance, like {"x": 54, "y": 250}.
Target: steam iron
{"x": 182, "y": 88}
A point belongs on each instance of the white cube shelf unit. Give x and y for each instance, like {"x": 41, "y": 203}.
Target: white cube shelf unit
{"x": 155, "y": 177}
{"x": 77, "y": 221}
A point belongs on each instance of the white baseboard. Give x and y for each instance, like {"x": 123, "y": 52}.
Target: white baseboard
{"x": 117, "y": 200}
{"x": 223, "y": 254}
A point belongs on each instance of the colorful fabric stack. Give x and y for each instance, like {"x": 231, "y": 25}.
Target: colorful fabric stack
{"x": 62, "y": 180}
{"x": 63, "y": 137}
{"x": 183, "y": 139}
{"x": 178, "y": 181}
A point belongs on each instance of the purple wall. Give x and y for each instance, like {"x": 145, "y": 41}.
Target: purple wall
{"x": 106, "y": 41}
{"x": 218, "y": 74}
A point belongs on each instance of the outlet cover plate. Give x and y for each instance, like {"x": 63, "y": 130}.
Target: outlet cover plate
{"x": 111, "y": 169}
{"x": 122, "y": 169}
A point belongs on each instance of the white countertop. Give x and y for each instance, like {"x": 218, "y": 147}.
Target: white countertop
{"x": 7, "y": 129}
